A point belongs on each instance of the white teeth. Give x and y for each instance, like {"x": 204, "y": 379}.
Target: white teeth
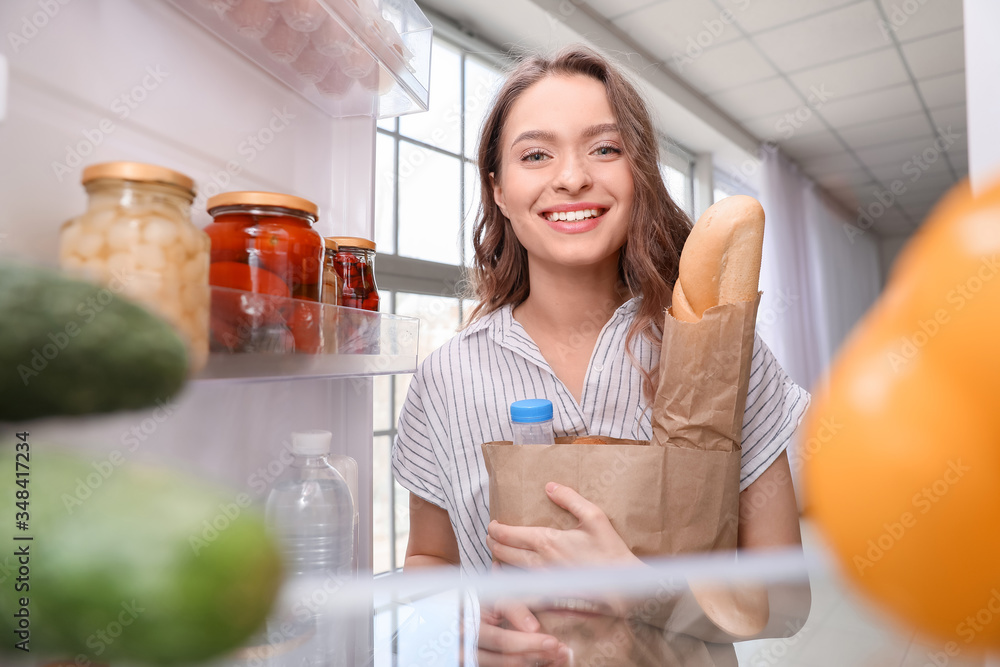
{"x": 574, "y": 215}
{"x": 575, "y": 604}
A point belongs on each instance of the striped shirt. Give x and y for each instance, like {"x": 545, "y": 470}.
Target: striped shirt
{"x": 460, "y": 398}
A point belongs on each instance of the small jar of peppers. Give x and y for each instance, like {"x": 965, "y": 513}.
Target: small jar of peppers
{"x": 263, "y": 243}
{"x": 354, "y": 263}
{"x": 331, "y": 279}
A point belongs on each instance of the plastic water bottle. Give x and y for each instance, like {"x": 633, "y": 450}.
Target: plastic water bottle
{"x": 532, "y": 421}
{"x": 311, "y": 512}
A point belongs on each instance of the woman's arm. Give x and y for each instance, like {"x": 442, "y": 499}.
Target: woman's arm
{"x": 769, "y": 516}
{"x": 769, "y": 519}
{"x": 508, "y": 634}
{"x": 432, "y": 540}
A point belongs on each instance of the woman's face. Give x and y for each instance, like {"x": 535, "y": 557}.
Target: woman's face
{"x": 564, "y": 183}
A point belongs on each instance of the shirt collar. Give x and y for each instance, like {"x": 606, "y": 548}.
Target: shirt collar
{"x": 504, "y": 314}
{"x": 483, "y": 323}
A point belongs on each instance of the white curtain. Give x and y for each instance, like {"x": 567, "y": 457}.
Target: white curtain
{"x": 819, "y": 275}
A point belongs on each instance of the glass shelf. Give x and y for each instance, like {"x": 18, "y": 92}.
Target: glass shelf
{"x": 263, "y": 337}
{"x": 348, "y": 57}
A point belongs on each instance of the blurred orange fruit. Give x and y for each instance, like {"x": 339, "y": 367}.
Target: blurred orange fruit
{"x": 902, "y": 451}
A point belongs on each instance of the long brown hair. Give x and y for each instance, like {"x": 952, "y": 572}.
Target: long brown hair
{"x": 647, "y": 265}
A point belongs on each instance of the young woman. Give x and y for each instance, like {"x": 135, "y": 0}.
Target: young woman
{"x": 577, "y": 246}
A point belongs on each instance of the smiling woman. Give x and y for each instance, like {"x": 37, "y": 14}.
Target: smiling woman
{"x": 578, "y": 132}
{"x": 576, "y": 246}
{"x": 566, "y": 187}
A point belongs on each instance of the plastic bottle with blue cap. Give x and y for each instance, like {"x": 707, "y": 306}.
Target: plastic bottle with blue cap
{"x": 532, "y": 421}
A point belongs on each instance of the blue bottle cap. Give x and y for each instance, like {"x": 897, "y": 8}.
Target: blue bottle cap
{"x": 531, "y": 410}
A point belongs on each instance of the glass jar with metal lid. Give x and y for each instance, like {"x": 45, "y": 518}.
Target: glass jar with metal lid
{"x": 263, "y": 242}
{"x": 355, "y": 264}
{"x": 136, "y": 237}
{"x": 331, "y": 279}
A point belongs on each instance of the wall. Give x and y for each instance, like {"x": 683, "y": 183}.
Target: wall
{"x": 982, "y": 62}
{"x": 104, "y": 80}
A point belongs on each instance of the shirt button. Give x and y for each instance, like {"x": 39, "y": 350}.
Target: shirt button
{"x": 598, "y": 367}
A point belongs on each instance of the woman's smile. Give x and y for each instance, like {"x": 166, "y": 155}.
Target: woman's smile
{"x": 574, "y": 218}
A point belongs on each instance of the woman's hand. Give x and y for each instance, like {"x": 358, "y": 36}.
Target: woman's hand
{"x": 593, "y": 542}
{"x": 508, "y": 636}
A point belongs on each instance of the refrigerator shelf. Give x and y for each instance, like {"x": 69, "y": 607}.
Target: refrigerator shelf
{"x": 263, "y": 337}
{"x": 365, "y": 58}
{"x": 259, "y": 368}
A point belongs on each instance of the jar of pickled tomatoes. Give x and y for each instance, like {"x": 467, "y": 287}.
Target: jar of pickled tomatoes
{"x": 136, "y": 237}
{"x": 263, "y": 243}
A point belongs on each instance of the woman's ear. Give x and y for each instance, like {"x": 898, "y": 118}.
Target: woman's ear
{"x": 498, "y": 195}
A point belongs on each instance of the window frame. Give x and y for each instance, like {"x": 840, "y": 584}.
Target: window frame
{"x": 398, "y": 273}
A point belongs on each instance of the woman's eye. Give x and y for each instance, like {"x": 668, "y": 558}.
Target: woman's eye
{"x": 535, "y": 156}
{"x": 608, "y": 150}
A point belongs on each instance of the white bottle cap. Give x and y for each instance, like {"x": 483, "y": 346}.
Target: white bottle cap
{"x": 311, "y": 443}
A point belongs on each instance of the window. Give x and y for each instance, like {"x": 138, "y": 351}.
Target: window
{"x": 727, "y": 185}
{"x": 426, "y": 196}
{"x": 677, "y": 168}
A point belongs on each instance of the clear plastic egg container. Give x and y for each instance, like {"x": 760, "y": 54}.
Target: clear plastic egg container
{"x": 349, "y": 57}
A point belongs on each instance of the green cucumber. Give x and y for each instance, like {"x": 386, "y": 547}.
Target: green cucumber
{"x": 126, "y": 563}
{"x": 69, "y": 347}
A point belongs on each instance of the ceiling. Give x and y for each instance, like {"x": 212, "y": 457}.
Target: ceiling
{"x": 867, "y": 96}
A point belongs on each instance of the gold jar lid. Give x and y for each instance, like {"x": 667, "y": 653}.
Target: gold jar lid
{"x": 137, "y": 171}
{"x": 253, "y": 198}
{"x": 330, "y": 243}
{"x": 353, "y": 242}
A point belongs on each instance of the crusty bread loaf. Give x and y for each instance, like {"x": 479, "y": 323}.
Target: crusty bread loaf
{"x": 589, "y": 440}
{"x": 720, "y": 262}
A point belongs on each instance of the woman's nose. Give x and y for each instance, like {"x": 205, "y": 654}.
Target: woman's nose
{"x": 573, "y": 175}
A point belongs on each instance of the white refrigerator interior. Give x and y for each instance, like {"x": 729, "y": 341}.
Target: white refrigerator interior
{"x": 144, "y": 80}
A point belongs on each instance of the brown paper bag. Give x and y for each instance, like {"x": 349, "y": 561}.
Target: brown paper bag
{"x": 677, "y": 493}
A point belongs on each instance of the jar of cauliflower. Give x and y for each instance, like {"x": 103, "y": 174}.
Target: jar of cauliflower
{"x": 136, "y": 238}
